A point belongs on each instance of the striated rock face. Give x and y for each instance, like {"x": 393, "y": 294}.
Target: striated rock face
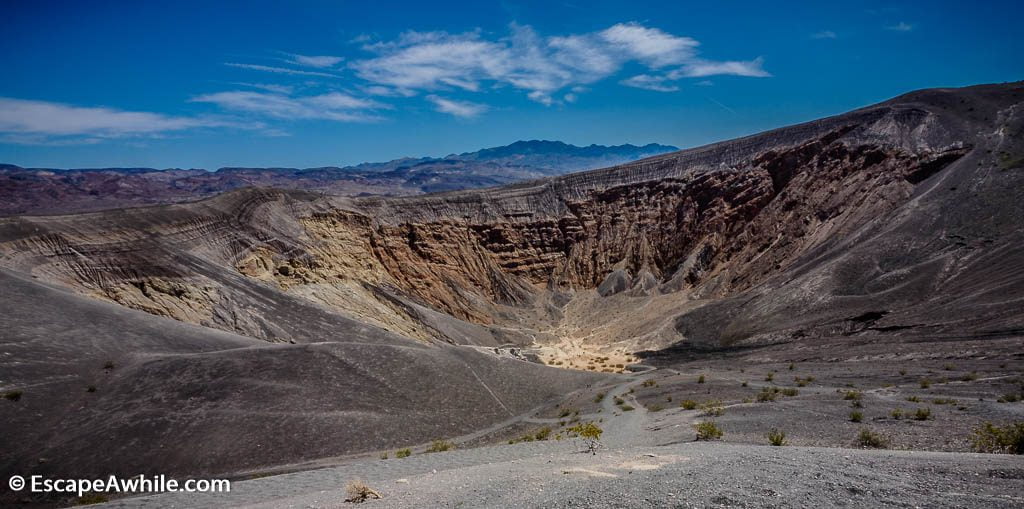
{"x": 701, "y": 225}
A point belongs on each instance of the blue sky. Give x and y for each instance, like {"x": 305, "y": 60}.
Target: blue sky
{"x": 301, "y": 84}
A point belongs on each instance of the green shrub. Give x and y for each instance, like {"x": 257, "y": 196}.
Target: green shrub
{"x": 769, "y": 377}
{"x": 13, "y": 395}
{"x": 688, "y": 404}
{"x": 627, "y": 408}
{"x": 766, "y": 395}
{"x": 543, "y": 433}
{"x": 995, "y": 439}
{"x": 776, "y": 437}
{"x": 856, "y": 416}
{"x": 792, "y": 366}
{"x": 403, "y": 453}
{"x": 789, "y": 391}
{"x": 970, "y": 377}
{"x": 384, "y": 455}
{"x": 925, "y": 383}
{"x": 440, "y": 446}
{"x": 650, "y": 383}
{"x": 853, "y": 396}
{"x": 914, "y": 399}
{"x": 655, "y": 407}
{"x": 619, "y": 401}
{"x": 868, "y": 438}
{"x": 922, "y": 414}
{"x": 1008, "y": 398}
{"x": 590, "y": 433}
{"x": 897, "y": 414}
{"x": 599, "y": 398}
{"x": 700, "y": 379}
{"x": 903, "y": 372}
{"x": 744, "y": 384}
{"x": 708, "y": 430}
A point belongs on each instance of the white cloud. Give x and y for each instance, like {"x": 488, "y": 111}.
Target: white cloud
{"x": 900, "y": 27}
{"x": 539, "y": 66}
{"x": 26, "y": 121}
{"x": 280, "y": 70}
{"x": 824, "y": 34}
{"x": 461, "y": 109}
{"x": 269, "y": 87}
{"x": 648, "y": 82}
{"x": 322, "y": 62}
{"x": 330, "y": 106}
{"x": 702, "y": 68}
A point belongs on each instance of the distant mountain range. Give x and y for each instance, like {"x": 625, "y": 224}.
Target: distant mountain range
{"x": 56, "y": 191}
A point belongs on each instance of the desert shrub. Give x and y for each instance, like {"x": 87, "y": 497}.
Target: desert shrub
{"x": 857, "y": 403}
{"x": 868, "y": 438}
{"x": 914, "y": 399}
{"x": 995, "y": 439}
{"x": 91, "y": 388}
{"x": 656, "y": 407}
{"x": 776, "y": 437}
{"x": 947, "y": 367}
{"x": 970, "y": 377}
{"x": 769, "y": 377}
{"x": 708, "y": 430}
{"x": 903, "y": 372}
{"x": 619, "y": 401}
{"x": 922, "y": 414}
{"x": 440, "y": 446}
{"x": 403, "y": 453}
{"x": 853, "y": 396}
{"x": 627, "y": 408}
{"x": 766, "y": 396}
{"x": 700, "y": 379}
{"x": 856, "y": 416}
{"x": 599, "y": 397}
{"x": 792, "y": 366}
{"x": 384, "y": 455}
{"x": 944, "y": 401}
{"x": 590, "y": 433}
{"x": 108, "y": 365}
{"x": 566, "y": 412}
{"x": 688, "y": 404}
{"x": 925, "y": 383}
{"x": 358, "y": 492}
{"x": 789, "y": 391}
{"x": 1008, "y": 398}
{"x": 801, "y": 383}
{"x": 13, "y": 395}
{"x": 897, "y": 413}
{"x": 649, "y": 383}
{"x": 543, "y": 433}
{"x": 744, "y": 384}
{"x": 712, "y": 408}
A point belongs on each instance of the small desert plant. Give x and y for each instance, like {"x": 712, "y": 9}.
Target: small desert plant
{"x": 853, "y": 396}
{"x": 108, "y": 365}
{"x": 1008, "y": 398}
{"x": 688, "y": 404}
{"x": 922, "y": 414}
{"x": 856, "y": 416}
{"x": 590, "y": 433}
{"x": 543, "y": 433}
{"x": 1006, "y": 439}
{"x": 618, "y": 401}
{"x": 776, "y": 437}
{"x": 925, "y": 383}
{"x": 789, "y": 391}
{"x": 903, "y": 372}
{"x": 970, "y": 377}
{"x": 440, "y": 446}
{"x": 656, "y": 407}
{"x": 91, "y": 388}
{"x": 708, "y": 430}
{"x": 914, "y": 399}
{"x": 649, "y": 383}
{"x": 868, "y": 438}
{"x": 769, "y": 377}
{"x": 766, "y": 396}
{"x": 358, "y": 492}
{"x": 599, "y": 397}
{"x": 13, "y": 395}
{"x": 626, "y": 408}
{"x": 700, "y": 379}
{"x": 792, "y": 366}
{"x": 403, "y": 453}
{"x": 744, "y": 384}
{"x": 947, "y": 367}
{"x": 857, "y": 403}
{"x": 566, "y": 412}
{"x": 897, "y": 413}
{"x": 712, "y": 408}
{"x": 384, "y": 455}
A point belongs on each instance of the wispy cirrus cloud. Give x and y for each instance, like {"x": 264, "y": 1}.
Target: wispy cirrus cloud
{"x": 462, "y": 109}
{"x": 41, "y": 122}
{"x": 825, "y": 34}
{"x": 900, "y": 27}
{"x": 322, "y": 61}
{"x": 334, "y": 106}
{"x": 540, "y": 66}
{"x": 280, "y": 70}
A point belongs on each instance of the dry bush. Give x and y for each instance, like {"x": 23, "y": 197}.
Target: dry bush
{"x": 358, "y": 492}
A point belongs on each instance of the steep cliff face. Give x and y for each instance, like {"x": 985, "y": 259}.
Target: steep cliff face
{"x": 686, "y": 233}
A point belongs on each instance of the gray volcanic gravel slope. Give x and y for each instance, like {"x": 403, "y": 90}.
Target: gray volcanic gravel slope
{"x": 110, "y": 390}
